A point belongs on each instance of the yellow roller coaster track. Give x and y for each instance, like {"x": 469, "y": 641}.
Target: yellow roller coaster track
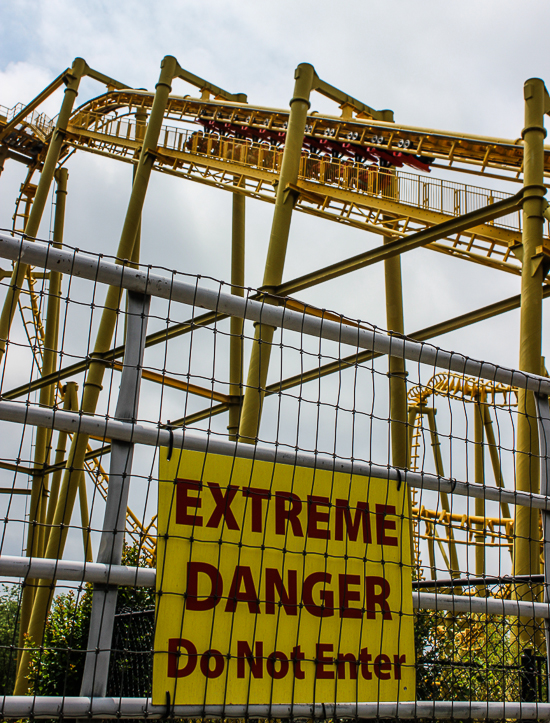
{"x": 31, "y": 316}
{"x": 480, "y": 531}
{"x": 228, "y": 153}
{"x": 388, "y": 202}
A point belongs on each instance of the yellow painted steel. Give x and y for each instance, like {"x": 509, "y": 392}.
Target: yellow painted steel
{"x": 37, "y": 530}
{"x": 276, "y": 254}
{"x": 93, "y": 383}
{"x": 41, "y": 197}
{"x": 391, "y": 203}
{"x": 494, "y": 455}
{"x": 236, "y": 324}
{"x": 49, "y": 363}
{"x": 480, "y": 394}
{"x": 453, "y": 565}
{"x": 479, "y": 478}
{"x": 534, "y": 269}
{"x": 94, "y": 128}
{"x": 451, "y": 148}
{"x": 328, "y": 188}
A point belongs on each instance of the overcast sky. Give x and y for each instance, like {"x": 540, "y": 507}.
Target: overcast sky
{"x": 451, "y": 65}
{"x": 458, "y": 66}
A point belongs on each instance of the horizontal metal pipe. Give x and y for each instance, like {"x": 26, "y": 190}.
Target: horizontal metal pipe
{"x": 41, "y": 568}
{"x": 483, "y": 605}
{"x": 444, "y": 327}
{"x": 75, "y": 571}
{"x": 57, "y": 706}
{"x": 144, "y": 281}
{"x": 485, "y": 580}
{"x": 151, "y": 435}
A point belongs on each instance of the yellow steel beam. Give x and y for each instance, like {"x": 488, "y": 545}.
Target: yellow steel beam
{"x": 482, "y": 152}
{"x": 40, "y": 98}
{"x": 489, "y": 244}
{"x": 408, "y": 243}
{"x": 329, "y": 91}
{"x": 276, "y": 253}
{"x": 168, "y": 381}
{"x": 208, "y": 88}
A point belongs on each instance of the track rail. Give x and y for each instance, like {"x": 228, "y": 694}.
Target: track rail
{"x": 383, "y": 201}
{"x": 377, "y": 138}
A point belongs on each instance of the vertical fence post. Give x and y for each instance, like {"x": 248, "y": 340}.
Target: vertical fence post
{"x": 543, "y": 418}
{"x": 96, "y": 670}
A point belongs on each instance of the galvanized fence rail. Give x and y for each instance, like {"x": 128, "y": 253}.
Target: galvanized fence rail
{"x": 125, "y": 433}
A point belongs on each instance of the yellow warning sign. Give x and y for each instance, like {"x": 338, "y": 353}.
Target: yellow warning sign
{"x": 280, "y": 584}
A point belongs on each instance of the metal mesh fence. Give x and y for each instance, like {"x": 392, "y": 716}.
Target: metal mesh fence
{"x": 301, "y": 572}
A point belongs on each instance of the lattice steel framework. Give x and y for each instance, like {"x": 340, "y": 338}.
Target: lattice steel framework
{"x": 346, "y": 169}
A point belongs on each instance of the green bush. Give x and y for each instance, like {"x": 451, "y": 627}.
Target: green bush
{"x": 10, "y": 598}
{"x": 56, "y": 667}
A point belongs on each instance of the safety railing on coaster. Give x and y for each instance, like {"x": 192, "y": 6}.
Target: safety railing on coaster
{"x": 412, "y": 189}
{"x": 38, "y": 121}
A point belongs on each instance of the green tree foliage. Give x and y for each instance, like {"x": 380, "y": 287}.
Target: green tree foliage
{"x": 469, "y": 656}
{"x": 57, "y": 666}
{"x": 10, "y": 596}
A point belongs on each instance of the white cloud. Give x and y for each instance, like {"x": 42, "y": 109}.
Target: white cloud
{"x": 454, "y": 65}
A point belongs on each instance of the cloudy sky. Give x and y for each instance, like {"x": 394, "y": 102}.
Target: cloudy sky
{"x": 451, "y": 65}
{"x": 458, "y": 66}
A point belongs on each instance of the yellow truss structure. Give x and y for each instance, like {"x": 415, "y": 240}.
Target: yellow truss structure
{"x": 392, "y": 203}
{"x": 478, "y": 530}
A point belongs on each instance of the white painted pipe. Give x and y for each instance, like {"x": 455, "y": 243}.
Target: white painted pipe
{"x": 55, "y": 706}
{"x": 486, "y": 606}
{"x": 40, "y": 568}
{"x": 145, "y": 281}
{"x": 151, "y": 435}
{"x": 75, "y": 571}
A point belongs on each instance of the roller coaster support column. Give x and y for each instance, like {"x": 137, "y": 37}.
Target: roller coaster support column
{"x": 236, "y": 340}
{"x": 495, "y": 461}
{"x": 396, "y": 368}
{"x": 397, "y": 373}
{"x": 479, "y": 474}
{"x": 454, "y": 569}
{"x": 534, "y": 268}
{"x": 78, "y": 69}
{"x": 70, "y": 404}
{"x": 51, "y": 337}
{"x": 36, "y": 535}
{"x": 94, "y": 378}
{"x": 284, "y": 205}
{"x": 141, "y": 126}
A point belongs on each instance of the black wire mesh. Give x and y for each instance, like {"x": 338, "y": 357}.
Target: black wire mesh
{"x": 326, "y": 398}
